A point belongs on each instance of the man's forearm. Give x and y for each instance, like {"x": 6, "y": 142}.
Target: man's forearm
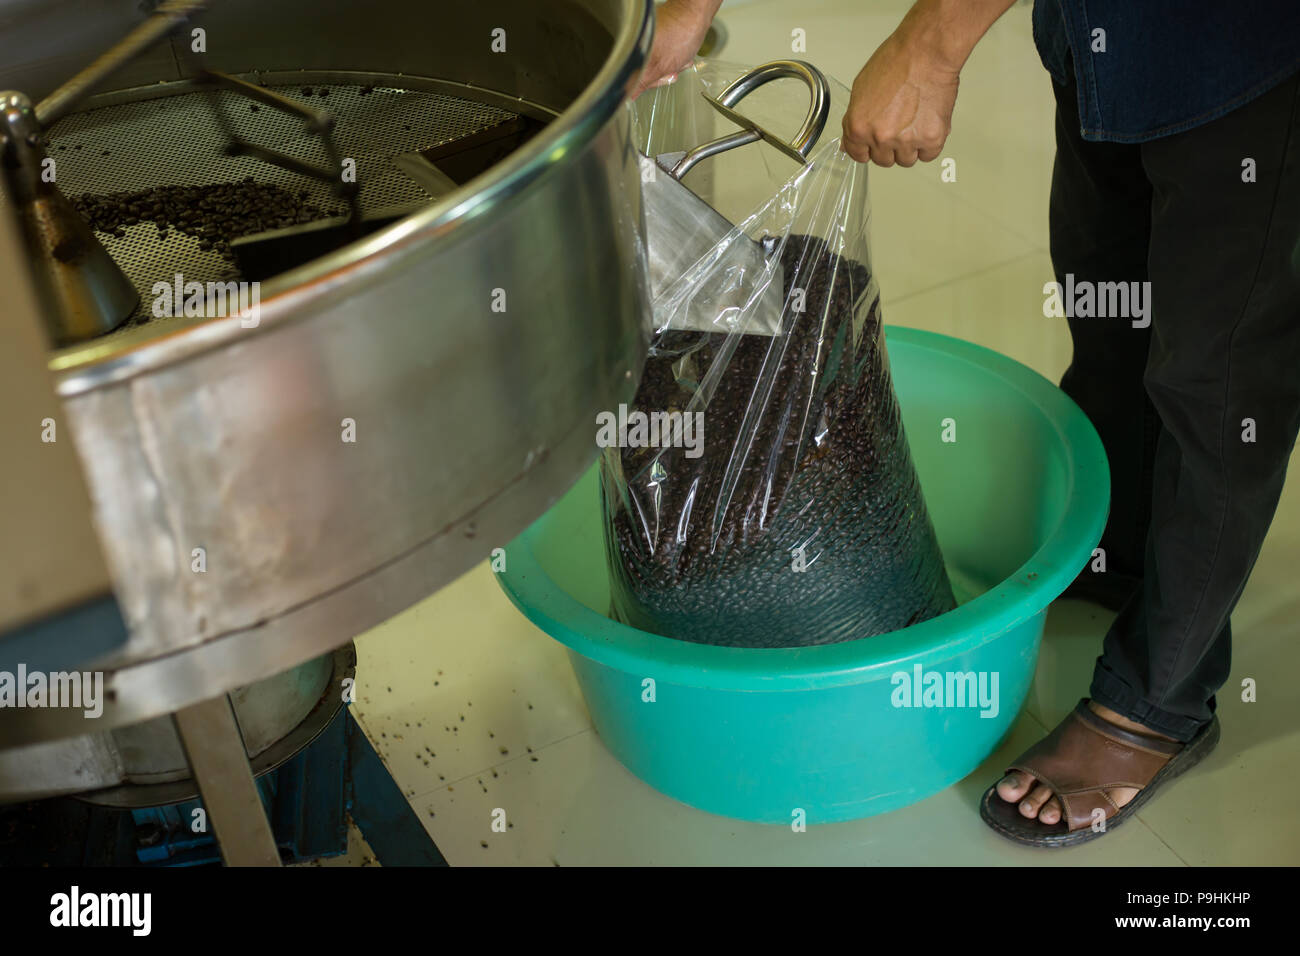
{"x": 704, "y": 10}
{"x": 948, "y": 29}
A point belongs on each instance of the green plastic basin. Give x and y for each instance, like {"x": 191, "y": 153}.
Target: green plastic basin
{"x": 836, "y": 732}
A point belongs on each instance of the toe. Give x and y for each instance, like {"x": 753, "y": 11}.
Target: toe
{"x": 1051, "y": 812}
{"x": 1014, "y": 786}
{"x": 1030, "y": 806}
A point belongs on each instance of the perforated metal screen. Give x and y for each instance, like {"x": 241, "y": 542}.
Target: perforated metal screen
{"x": 176, "y": 141}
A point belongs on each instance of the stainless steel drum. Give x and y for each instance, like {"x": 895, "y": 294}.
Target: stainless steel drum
{"x": 145, "y": 765}
{"x": 403, "y": 405}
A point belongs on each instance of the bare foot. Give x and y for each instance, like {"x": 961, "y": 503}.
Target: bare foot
{"x": 1037, "y": 801}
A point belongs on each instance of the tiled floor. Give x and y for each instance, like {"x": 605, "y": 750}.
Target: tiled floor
{"x": 475, "y": 709}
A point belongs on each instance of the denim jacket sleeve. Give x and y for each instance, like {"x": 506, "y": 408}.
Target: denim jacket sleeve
{"x": 1151, "y": 68}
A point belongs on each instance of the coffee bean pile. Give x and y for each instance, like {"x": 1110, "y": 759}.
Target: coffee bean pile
{"x": 215, "y": 214}
{"x": 804, "y": 456}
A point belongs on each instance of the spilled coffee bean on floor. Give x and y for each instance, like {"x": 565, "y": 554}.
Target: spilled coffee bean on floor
{"x": 802, "y": 522}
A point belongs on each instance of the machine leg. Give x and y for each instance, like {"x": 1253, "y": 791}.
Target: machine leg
{"x": 215, "y": 750}
{"x": 380, "y": 810}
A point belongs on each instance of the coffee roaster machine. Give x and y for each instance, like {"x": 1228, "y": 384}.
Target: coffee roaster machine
{"x": 206, "y": 508}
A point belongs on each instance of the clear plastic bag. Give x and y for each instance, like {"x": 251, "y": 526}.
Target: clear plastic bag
{"x": 780, "y": 506}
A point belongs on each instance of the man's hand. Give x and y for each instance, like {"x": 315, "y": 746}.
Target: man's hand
{"x": 680, "y": 26}
{"x": 901, "y": 107}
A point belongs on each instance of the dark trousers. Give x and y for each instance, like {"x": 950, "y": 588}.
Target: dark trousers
{"x": 1199, "y": 411}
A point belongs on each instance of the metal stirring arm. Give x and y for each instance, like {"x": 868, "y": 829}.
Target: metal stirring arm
{"x": 317, "y": 122}
{"x": 169, "y": 15}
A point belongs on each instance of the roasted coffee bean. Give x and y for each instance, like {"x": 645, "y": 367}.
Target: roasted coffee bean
{"x": 216, "y": 214}
{"x": 212, "y": 214}
{"x": 802, "y": 521}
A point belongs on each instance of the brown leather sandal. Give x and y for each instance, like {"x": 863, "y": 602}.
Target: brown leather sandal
{"x": 1080, "y": 760}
